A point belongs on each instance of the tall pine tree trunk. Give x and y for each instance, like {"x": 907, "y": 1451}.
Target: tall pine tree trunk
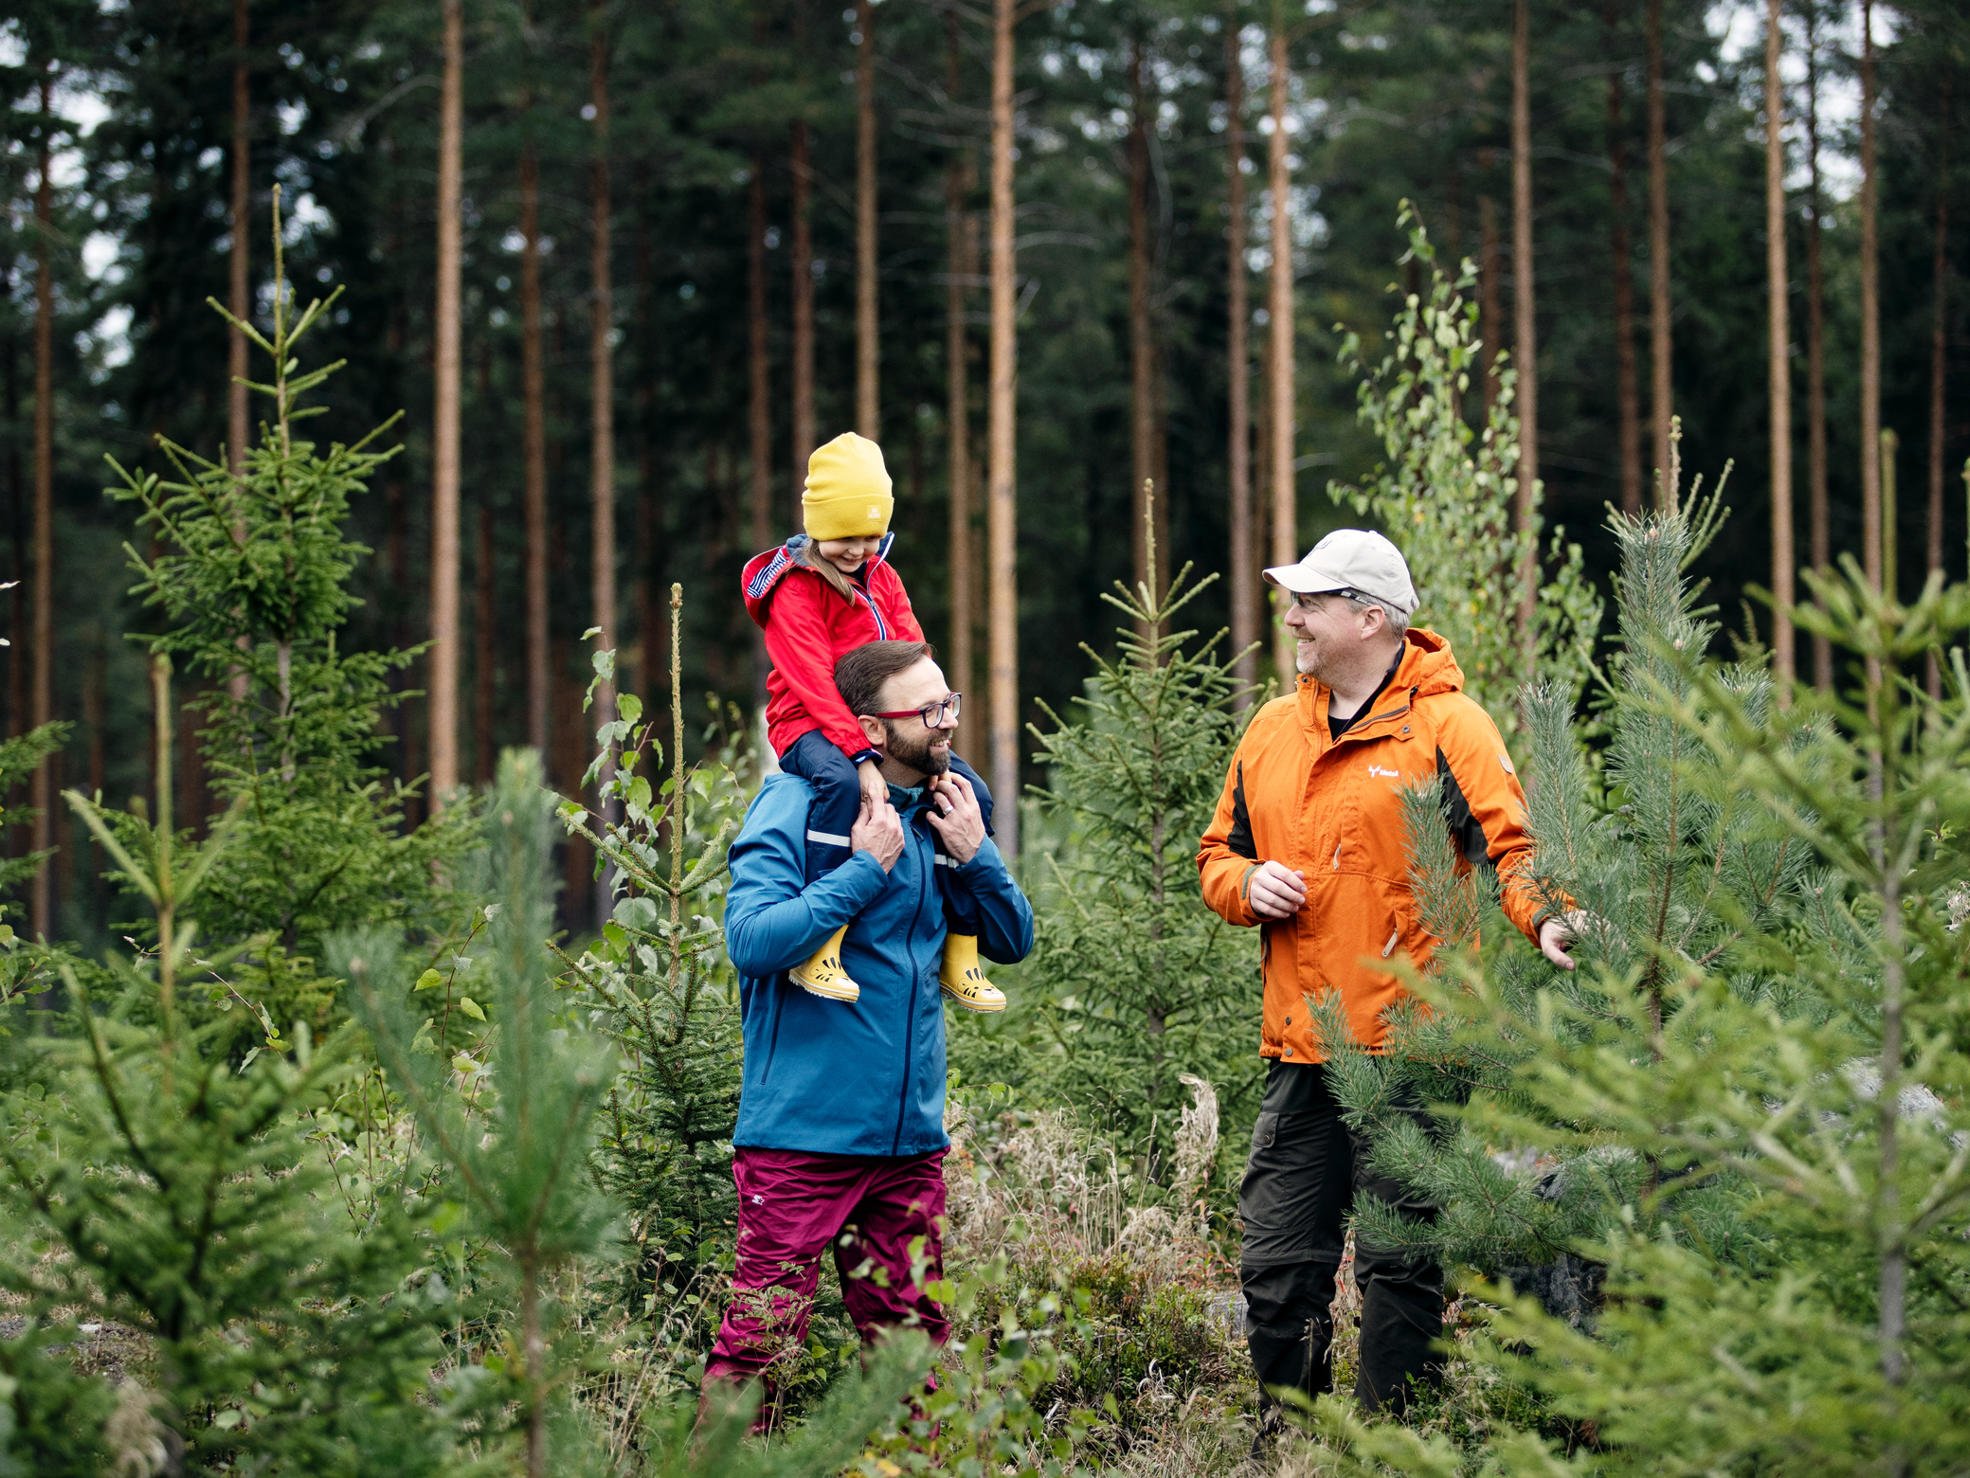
{"x": 959, "y": 270}
{"x": 444, "y": 634}
{"x": 868, "y": 420}
{"x": 1262, "y": 480}
{"x": 1819, "y": 537}
{"x": 650, "y": 545}
{"x": 485, "y": 645}
{"x": 1525, "y": 341}
{"x": 801, "y": 169}
{"x": 1245, "y": 588}
{"x": 601, "y": 363}
{"x": 1784, "y": 655}
{"x": 237, "y": 423}
{"x": 21, "y": 540}
{"x": 41, "y": 705}
{"x": 1279, "y": 334}
{"x": 602, "y": 395}
{"x": 1661, "y": 403}
{"x": 1145, "y": 538}
{"x": 1002, "y": 571}
{"x": 95, "y": 680}
{"x": 759, "y": 407}
{"x": 1627, "y": 387}
{"x": 1871, "y": 532}
{"x": 1938, "y": 367}
{"x": 533, "y": 442}
{"x": 405, "y": 631}
{"x": 1491, "y": 314}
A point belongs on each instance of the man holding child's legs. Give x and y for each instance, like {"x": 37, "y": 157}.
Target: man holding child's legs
{"x": 840, "y": 1142}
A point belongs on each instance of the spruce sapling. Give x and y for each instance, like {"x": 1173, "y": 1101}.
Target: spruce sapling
{"x": 1134, "y": 982}
{"x": 24, "y": 967}
{"x": 250, "y": 576}
{"x": 159, "y": 1195}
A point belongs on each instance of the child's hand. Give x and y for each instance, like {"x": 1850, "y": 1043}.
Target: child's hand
{"x": 874, "y": 787}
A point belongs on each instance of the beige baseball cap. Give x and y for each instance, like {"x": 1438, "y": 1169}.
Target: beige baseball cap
{"x": 1350, "y": 562}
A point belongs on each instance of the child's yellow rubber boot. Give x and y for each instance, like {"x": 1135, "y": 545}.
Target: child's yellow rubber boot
{"x": 964, "y": 979}
{"x": 821, "y": 974}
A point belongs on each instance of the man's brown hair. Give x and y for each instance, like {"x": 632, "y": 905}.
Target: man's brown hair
{"x": 861, "y": 673}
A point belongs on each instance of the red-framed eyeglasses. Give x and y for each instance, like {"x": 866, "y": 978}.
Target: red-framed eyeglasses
{"x": 932, "y": 714}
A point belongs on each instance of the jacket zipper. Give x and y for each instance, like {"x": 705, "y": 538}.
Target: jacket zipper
{"x": 916, "y": 990}
{"x": 882, "y": 626}
{"x": 1355, "y": 729}
{"x": 1358, "y": 725}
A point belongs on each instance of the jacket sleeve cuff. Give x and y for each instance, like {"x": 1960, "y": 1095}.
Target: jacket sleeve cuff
{"x": 867, "y": 753}
{"x": 988, "y": 854}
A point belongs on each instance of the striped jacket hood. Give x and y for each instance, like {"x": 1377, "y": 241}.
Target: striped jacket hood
{"x": 764, "y": 572}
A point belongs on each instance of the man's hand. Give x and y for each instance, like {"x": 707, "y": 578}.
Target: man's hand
{"x": 955, "y": 816}
{"x": 1275, "y": 891}
{"x": 878, "y": 831}
{"x": 1557, "y": 932}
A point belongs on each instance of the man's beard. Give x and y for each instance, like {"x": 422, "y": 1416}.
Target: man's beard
{"x": 910, "y": 744}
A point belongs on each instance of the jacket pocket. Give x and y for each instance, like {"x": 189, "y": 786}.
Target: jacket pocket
{"x": 1265, "y": 1132}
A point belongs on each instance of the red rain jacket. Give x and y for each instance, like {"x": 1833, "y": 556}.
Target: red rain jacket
{"x": 809, "y": 625}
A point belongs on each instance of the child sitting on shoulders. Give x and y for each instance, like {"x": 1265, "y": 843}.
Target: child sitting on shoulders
{"x": 826, "y": 591}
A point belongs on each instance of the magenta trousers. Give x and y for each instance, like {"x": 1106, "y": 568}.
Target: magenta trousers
{"x": 793, "y": 1206}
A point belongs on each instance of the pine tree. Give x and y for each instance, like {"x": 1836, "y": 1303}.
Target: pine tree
{"x": 659, "y": 985}
{"x": 445, "y": 628}
{"x": 1140, "y": 983}
{"x": 251, "y": 577}
{"x": 1677, "y": 870}
{"x": 157, "y": 1191}
{"x": 1525, "y": 333}
{"x": 1282, "y": 538}
{"x": 514, "y": 1148}
{"x": 1001, "y": 453}
{"x": 1808, "y": 1064}
{"x": 1446, "y": 492}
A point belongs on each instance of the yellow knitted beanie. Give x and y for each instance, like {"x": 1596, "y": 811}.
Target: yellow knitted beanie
{"x": 848, "y": 490}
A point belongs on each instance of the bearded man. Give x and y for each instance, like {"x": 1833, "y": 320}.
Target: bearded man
{"x": 1309, "y": 845}
{"x": 840, "y": 1142}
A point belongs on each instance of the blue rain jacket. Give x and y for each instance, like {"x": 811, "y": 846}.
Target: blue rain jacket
{"x": 822, "y": 1076}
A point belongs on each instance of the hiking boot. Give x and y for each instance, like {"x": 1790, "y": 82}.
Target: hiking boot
{"x": 821, "y": 974}
{"x": 963, "y": 979}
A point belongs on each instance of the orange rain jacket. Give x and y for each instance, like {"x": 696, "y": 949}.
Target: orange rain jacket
{"x": 1332, "y": 809}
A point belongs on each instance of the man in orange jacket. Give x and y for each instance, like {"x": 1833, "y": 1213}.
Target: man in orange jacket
{"x": 1308, "y": 844}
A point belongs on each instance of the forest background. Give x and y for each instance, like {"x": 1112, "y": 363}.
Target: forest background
{"x": 691, "y": 240}
{"x": 355, "y": 1116}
